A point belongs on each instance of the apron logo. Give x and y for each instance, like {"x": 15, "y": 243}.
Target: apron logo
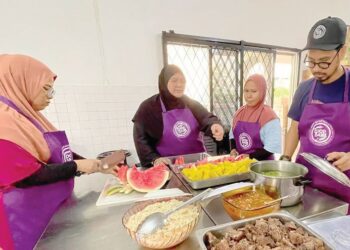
{"x": 245, "y": 141}
{"x": 181, "y": 129}
{"x": 321, "y": 133}
{"x": 66, "y": 153}
{"x": 319, "y": 32}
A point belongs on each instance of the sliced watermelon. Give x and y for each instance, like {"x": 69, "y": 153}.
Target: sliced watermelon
{"x": 180, "y": 160}
{"x": 122, "y": 174}
{"x": 148, "y": 180}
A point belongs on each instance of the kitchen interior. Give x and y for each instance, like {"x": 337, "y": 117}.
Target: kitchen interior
{"x": 107, "y": 56}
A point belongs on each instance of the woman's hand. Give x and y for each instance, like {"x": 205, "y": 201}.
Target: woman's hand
{"x": 234, "y": 153}
{"x": 112, "y": 170}
{"x": 244, "y": 156}
{"x": 217, "y": 131}
{"x": 161, "y": 160}
{"x": 340, "y": 159}
{"x": 113, "y": 159}
{"x": 88, "y": 166}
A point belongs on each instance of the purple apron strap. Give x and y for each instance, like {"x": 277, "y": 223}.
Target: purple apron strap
{"x": 14, "y": 106}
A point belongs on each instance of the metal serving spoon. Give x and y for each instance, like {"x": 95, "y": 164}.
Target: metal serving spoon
{"x": 155, "y": 221}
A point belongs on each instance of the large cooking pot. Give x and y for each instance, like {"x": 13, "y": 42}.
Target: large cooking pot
{"x": 290, "y": 181}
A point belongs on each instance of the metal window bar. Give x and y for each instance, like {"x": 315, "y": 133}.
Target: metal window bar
{"x": 216, "y": 69}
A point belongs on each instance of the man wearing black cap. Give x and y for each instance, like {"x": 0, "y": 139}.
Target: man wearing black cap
{"x": 320, "y": 110}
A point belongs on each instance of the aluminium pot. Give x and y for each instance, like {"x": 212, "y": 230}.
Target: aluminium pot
{"x": 291, "y": 183}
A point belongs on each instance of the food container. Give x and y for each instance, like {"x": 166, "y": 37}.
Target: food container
{"x": 290, "y": 180}
{"x": 189, "y": 158}
{"x": 249, "y": 202}
{"x": 224, "y": 174}
{"x": 220, "y": 230}
{"x": 212, "y": 182}
{"x": 162, "y": 238}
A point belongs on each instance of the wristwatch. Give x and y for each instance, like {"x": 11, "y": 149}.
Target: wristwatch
{"x": 285, "y": 158}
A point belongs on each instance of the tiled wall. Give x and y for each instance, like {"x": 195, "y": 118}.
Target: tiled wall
{"x": 97, "y": 118}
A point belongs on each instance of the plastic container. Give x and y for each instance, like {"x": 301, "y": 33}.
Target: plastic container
{"x": 238, "y": 211}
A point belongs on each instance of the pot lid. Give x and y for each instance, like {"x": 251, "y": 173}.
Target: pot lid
{"x": 327, "y": 168}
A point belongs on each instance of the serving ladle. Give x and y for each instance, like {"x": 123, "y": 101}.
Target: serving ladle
{"x": 155, "y": 221}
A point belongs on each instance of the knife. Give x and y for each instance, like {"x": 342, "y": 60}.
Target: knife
{"x": 114, "y": 159}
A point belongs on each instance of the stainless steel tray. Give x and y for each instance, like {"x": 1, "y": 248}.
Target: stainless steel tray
{"x": 216, "y": 181}
{"x": 283, "y": 216}
{"x": 189, "y": 158}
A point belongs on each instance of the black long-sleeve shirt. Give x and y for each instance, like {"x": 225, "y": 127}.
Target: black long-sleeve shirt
{"x": 50, "y": 173}
{"x": 147, "y": 134}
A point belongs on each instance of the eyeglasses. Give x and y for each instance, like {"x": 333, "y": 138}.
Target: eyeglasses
{"x": 322, "y": 65}
{"x": 50, "y": 92}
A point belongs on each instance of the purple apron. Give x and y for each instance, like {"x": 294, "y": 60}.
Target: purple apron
{"x": 181, "y": 134}
{"x": 247, "y": 137}
{"x": 324, "y": 128}
{"x": 29, "y": 210}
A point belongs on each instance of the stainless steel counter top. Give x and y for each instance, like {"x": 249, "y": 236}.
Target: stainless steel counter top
{"x": 315, "y": 205}
{"x": 79, "y": 224}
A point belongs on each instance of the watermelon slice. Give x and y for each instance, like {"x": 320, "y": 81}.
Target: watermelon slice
{"x": 122, "y": 174}
{"x": 148, "y": 180}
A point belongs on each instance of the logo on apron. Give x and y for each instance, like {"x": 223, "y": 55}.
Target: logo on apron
{"x": 321, "y": 133}
{"x": 181, "y": 129}
{"x": 66, "y": 153}
{"x": 245, "y": 141}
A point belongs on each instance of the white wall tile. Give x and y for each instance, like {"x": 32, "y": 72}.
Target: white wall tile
{"x": 96, "y": 118}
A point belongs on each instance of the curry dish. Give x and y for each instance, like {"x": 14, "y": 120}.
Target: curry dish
{"x": 249, "y": 200}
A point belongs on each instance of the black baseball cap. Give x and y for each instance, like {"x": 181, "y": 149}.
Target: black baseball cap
{"x": 327, "y": 34}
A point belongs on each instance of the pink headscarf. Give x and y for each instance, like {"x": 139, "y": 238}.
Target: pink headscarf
{"x": 260, "y": 112}
{"x": 21, "y": 80}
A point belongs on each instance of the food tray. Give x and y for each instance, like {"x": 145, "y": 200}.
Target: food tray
{"x": 216, "y": 181}
{"x": 283, "y": 216}
{"x": 189, "y": 158}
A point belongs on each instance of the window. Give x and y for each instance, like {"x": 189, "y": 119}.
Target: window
{"x": 346, "y": 60}
{"x": 216, "y": 69}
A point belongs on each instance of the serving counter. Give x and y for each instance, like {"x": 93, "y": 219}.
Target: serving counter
{"x": 79, "y": 224}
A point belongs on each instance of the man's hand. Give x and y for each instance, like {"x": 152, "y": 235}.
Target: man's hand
{"x": 340, "y": 159}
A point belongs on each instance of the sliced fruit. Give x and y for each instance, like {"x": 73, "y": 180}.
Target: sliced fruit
{"x": 148, "y": 180}
{"x": 128, "y": 189}
{"x": 122, "y": 173}
{"x": 180, "y": 160}
{"x": 113, "y": 190}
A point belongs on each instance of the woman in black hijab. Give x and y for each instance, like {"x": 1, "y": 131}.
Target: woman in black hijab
{"x": 170, "y": 123}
